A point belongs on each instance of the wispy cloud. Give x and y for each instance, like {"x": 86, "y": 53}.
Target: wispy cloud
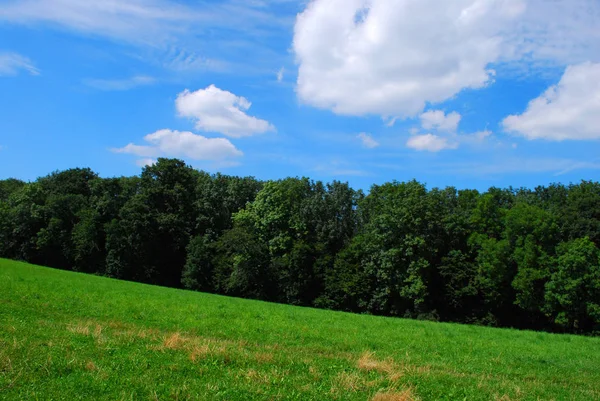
{"x": 13, "y": 63}
{"x": 150, "y": 22}
{"x": 367, "y": 140}
{"x": 179, "y": 36}
{"x": 182, "y": 60}
{"x": 280, "y": 74}
{"x": 555, "y": 166}
{"x": 336, "y": 171}
{"x": 145, "y": 21}
{"x": 119, "y": 84}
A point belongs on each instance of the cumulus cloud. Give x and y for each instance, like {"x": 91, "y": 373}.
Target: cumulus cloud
{"x": 568, "y": 110}
{"x": 438, "y": 131}
{"x": 216, "y": 110}
{"x": 391, "y": 57}
{"x": 367, "y": 140}
{"x": 12, "y": 63}
{"x": 438, "y": 120}
{"x": 430, "y": 143}
{"x": 169, "y": 143}
{"x": 119, "y": 84}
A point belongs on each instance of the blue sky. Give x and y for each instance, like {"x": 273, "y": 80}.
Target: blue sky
{"x": 467, "y": 93}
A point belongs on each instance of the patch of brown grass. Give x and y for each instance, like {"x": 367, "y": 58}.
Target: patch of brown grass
{"x": 174, "y": 341}
{"x": 257, "y": 377}
{"x": 91, "y": 366}
{"x": 199, "y": 352}
{"x": 264, "y": 357}
{"x": 369, "y": 363}
{"x": 405, "y": 395}
{"x": 350, "y": 381}
{"x": 134, "y": 333}
{"x": 203, "y": 347}
{"x": 79, "y": 328}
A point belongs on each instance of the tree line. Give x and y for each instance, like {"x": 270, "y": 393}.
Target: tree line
{"x": 523, "y": 258}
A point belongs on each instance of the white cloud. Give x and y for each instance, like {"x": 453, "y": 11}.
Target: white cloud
{"x": 280, "y": 74}
{"x": 181, "y": 36}
{"x": 391, "y": 57}
{"x": 148, "y": 22}
{"x": 479, "y": 136}
{"x": 438, "y": 120}
{"x": 133, "y": 20}
{"x": 12, "y": 63}
{"x": 216, "y": 110}
{"x": 169, "y": 143}
{"x": 145, "y": 162}
{"x": 182, "y": 60}
{"x": 568, "y": 110}
{"x": 119, "y": 84}
{"x": 559, "y": 32}
{"x": 444, "y": 127}
{"x": 430, "y": 143}
{"x": 367, "y": 140}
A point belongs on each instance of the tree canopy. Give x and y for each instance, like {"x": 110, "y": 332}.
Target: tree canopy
{"x": 524, "y": 258}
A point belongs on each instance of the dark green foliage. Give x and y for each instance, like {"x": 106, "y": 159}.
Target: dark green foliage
{"x": 520, "y": 258}
{"x": 573, "y": 291}
{"x": 198, "y": 269}
{"x": 9, "y": 186}
{"x": 242, "y": 266}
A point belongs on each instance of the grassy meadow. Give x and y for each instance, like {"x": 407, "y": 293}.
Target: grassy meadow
{"x": 69, "y": 336}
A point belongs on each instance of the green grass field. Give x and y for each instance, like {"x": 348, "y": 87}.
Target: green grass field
{"x": 69, "y": 336}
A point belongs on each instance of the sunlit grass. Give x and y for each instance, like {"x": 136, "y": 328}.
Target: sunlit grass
{"x": 68, "y": 336}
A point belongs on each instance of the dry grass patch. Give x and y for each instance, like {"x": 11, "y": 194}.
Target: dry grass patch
{"x": 201, "y": 348}
{"x": 86, "y": 329}
{"x": 199, "y": 352}
{"x": 83, "y": 329}
{"x": 264, "y": 357}
{"x": 257, "y": 377}
{"x": 174, "y": 341}
{"x": 138, "y": 333}
{"x": 405, "y": 395}
{"x": 369, "y": 363}
{"x": 91, "y": 366}
{"x": 349, "y": 381}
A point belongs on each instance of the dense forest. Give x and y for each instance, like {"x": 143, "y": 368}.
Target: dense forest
{"x": 524, "y": 258}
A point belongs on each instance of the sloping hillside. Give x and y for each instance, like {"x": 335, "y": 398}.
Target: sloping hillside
{"x": 69, "y": 336}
